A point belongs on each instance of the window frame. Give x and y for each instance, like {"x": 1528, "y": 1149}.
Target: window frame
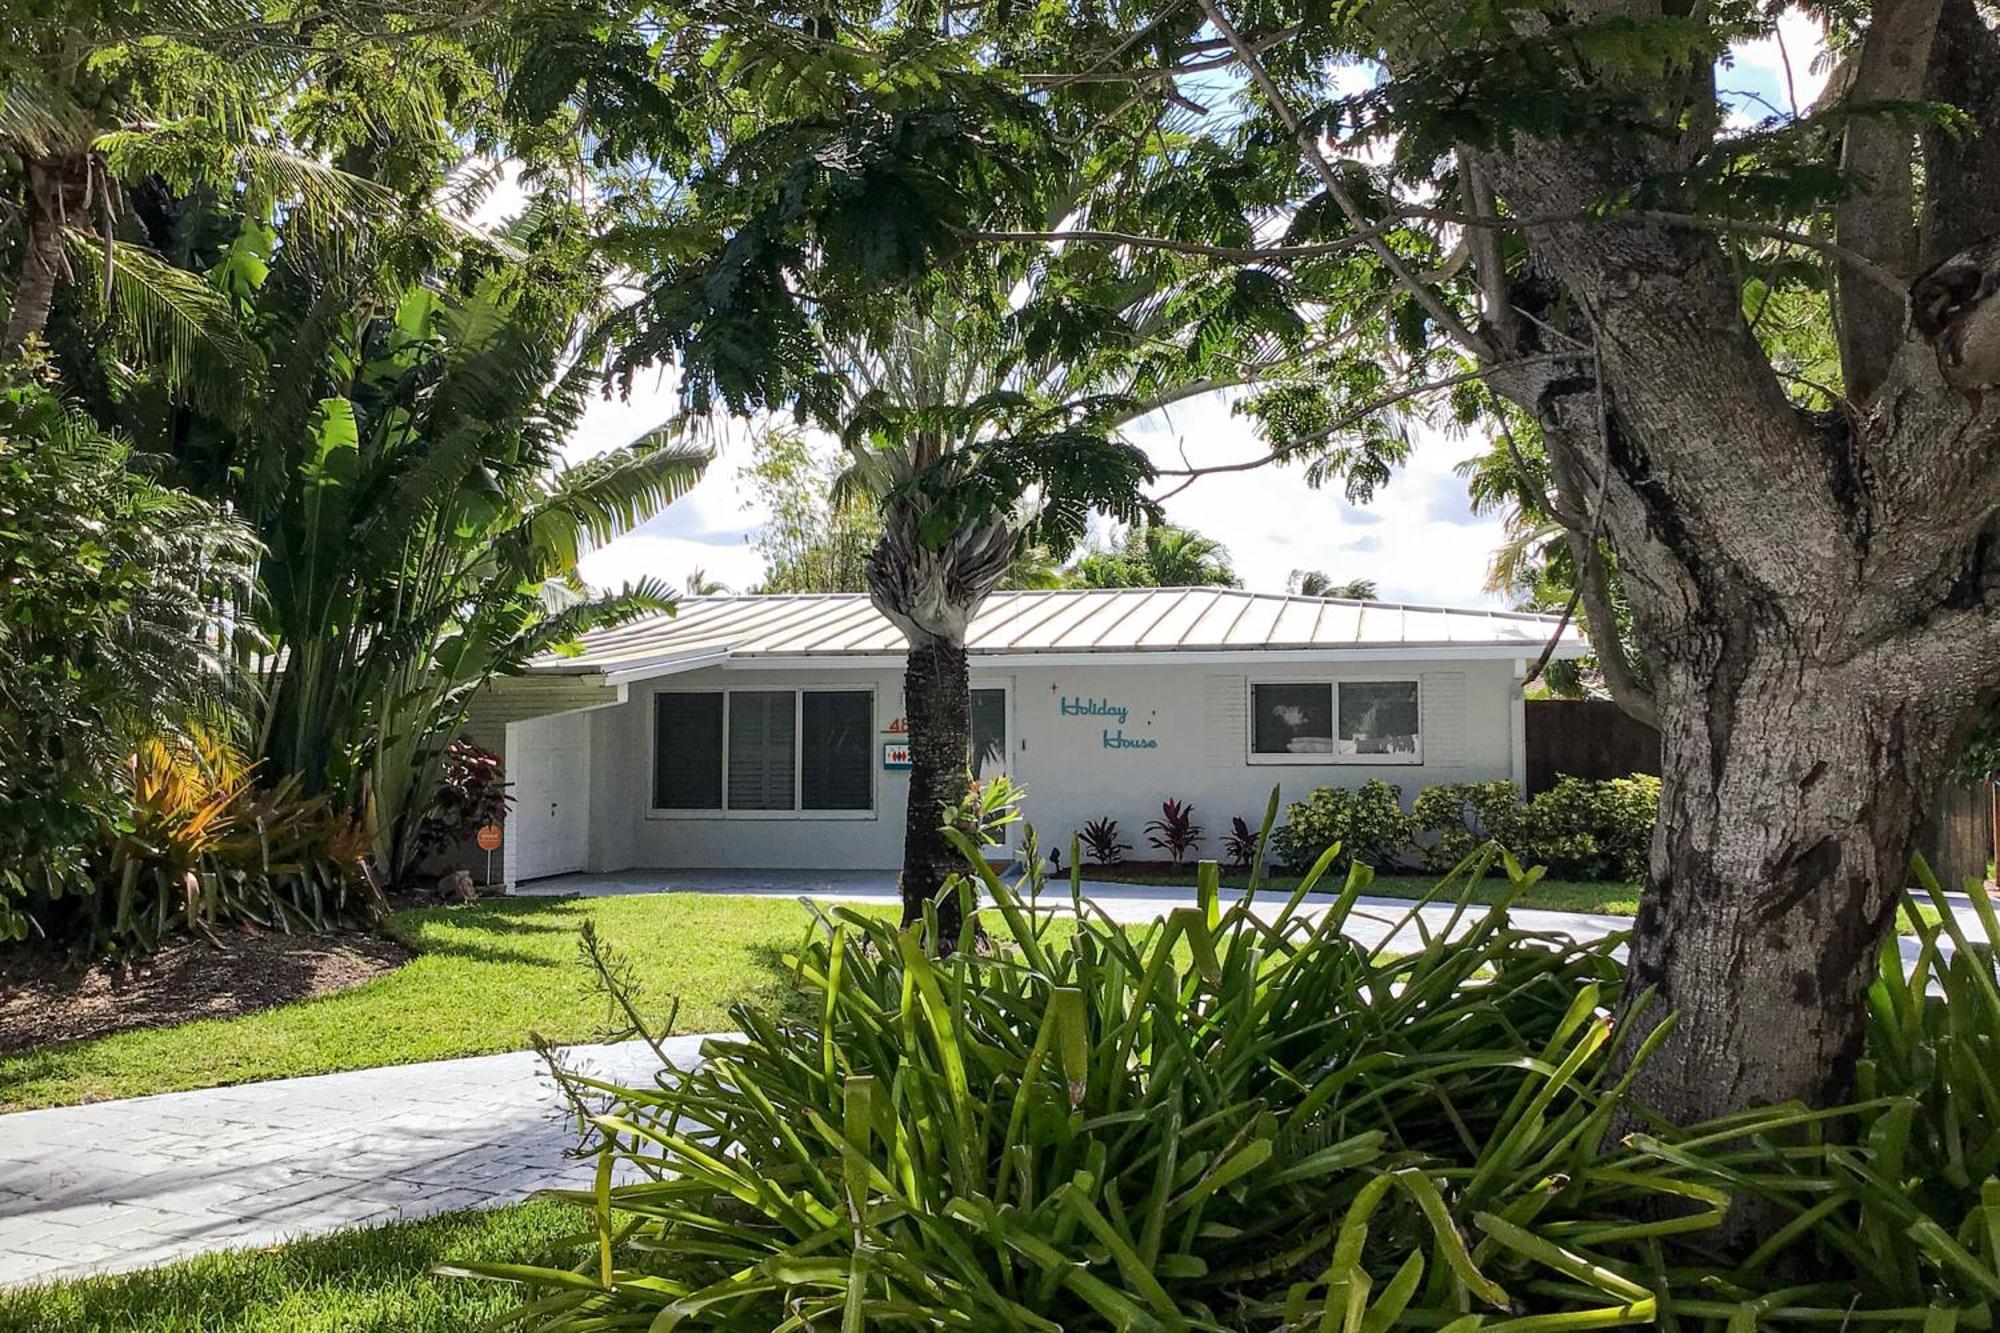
{"x": 1330, "y": 758}
{"x": 797, "y": 812}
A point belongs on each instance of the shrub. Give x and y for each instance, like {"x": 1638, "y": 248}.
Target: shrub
{"x": 1100, "y": 840}
{"x": 1175, "y": 831}
{"x": 471, "y": 794}
{"x": 1448, "y": 821}
{"x": 1231, "y": 1122}
{"x": 108, "y": 584}
{"x": 1577, "y": 829}
{"x": 1367, "y": 825}
{"x": 1240, "y": 843}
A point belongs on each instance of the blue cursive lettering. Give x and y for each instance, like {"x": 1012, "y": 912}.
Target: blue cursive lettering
{"x": 1120, "y": 741}
{"x": 1092, "y": 708}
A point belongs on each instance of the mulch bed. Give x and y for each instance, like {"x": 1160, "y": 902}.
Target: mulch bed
{"x": 47, "y": 997}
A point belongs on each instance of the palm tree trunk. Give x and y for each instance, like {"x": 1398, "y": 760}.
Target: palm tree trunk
{"x": 51, "y": 186}
{"x": 937, "y": 699}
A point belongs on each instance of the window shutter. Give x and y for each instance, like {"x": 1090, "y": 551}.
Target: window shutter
{"x": 687, "y": 751}
{"x": 836, "y": 771}
{"x": 762, "y": 736}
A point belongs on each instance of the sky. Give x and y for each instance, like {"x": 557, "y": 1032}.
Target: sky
{"x": 1417, "y": 539}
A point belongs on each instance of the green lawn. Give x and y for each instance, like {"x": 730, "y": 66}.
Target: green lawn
{"x": 485, "y": 977}
{"x": 371, "y": 1281}
{"x": 488, "y": 975}
{"x": 1560, "y": 895}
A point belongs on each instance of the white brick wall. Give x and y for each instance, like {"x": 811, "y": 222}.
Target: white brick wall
{"x": 1225, "y": 708}
{"x": 1442, "y": 698}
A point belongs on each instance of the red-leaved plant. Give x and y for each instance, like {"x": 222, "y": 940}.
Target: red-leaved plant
{"x": 1175, "y": 831}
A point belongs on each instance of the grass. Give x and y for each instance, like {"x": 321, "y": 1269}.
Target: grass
{"x": 375, "y": 1280}
{"x": 485, "y": 977}
{"x": 1558, "y": 895}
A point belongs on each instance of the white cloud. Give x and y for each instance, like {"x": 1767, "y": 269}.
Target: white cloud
{"x": 1416, "y": 539}
{"x": 1782, "y": 73}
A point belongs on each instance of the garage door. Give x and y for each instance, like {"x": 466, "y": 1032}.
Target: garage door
{"x": 549, "y": 759}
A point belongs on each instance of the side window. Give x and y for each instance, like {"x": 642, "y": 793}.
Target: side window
{"x": 1291, "y": 719}
{"x": 836, "y": 738}
{"x": 687, "y": 751}
{"x": 1379, "y": 717}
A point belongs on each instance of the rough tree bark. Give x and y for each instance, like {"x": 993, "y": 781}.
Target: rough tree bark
{"x": 937, "y": 700}
{"x": 1816, "y": 592}
{"x": 931, "y": 594}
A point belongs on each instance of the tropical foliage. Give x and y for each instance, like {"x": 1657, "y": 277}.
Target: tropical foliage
{"x": 107, "y": 579}
{"x": 243, "y": 235}
{"x": 1158, "y": 555}
{"x": 810, "y": 541}
{"x": 407, "y": 477}
{"x": 1244, "y": 1119}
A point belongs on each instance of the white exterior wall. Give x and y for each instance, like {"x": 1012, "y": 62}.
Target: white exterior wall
{"x": 627, "y": 833}
{"x": 1198, "y": 715}
{"x": 1194, "y": 713}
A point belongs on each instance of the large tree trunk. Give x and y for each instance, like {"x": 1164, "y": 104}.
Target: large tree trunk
{"x": 1788, "y": 797}
{"x": 55, "y": 189}
{"x": 932, "y": 594}
{"x": 937, "y": 700}
{"x": 1815, "y": 592}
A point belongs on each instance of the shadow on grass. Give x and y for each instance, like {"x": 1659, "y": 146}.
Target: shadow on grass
{"x": 365, "y": 1281}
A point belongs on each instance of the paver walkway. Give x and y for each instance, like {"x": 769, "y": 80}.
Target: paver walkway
{"x": 127, "y": 1184}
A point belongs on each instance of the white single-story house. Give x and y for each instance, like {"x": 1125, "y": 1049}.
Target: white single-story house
{"x": 760, "y": 732}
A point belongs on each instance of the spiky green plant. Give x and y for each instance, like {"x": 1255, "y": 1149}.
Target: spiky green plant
{"x": 1244, "y": 1118}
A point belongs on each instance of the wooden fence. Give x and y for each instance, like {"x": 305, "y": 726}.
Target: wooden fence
{"x": 1591, "y": 738}
{"x": 1586, "y": 738}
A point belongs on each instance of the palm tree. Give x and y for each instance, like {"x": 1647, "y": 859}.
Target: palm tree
{"x": 974, "y": 453}
{"x": 401, "y": 460}
{"x": 1159, "y": 555}
{"x": 1319, "y": 583}
{"x": 699, "y": 584}
{"x": 111, "y": 113}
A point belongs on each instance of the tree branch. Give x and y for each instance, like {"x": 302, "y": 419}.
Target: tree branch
{"x": 1377, "y": 234}
{"x": 1351, "y": 418}
{"x": 1433, "y": 305}
{"x": 1880, "y": 221}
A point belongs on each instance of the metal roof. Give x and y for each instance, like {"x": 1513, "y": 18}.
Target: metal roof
{"x": 1094, "y": 620}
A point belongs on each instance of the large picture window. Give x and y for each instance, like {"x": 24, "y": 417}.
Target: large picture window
{"x": 1334, "y": 722}
{"x": 764, "y": 751}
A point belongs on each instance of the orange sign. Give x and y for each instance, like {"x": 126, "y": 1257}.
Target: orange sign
{"x": 489, "y": 838}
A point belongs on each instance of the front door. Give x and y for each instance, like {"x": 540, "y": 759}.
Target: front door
{"x": 992, "y": 749}
{"x": 550, "y": 818}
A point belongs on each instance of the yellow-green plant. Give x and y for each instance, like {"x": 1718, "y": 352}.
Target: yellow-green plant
{"x": 203, "y": 844}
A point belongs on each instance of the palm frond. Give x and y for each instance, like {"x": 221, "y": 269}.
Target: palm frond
{"x": 598, "y": 500}
{"x": 165, "y": 321}
{"x": 633, "y": 601}
{"x": 39, "y": 118}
